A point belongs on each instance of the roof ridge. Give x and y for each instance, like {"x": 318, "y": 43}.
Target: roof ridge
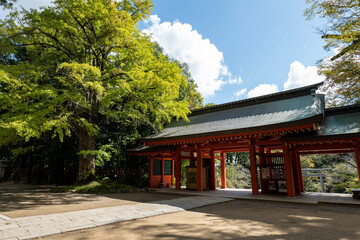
{"x": 254, "y": 100}
{"x": 222, "y": 120}
{"x": 342, "y": 107}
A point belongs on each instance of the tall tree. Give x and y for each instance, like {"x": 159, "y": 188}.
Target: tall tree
{"x": 189, "y": 91}
{"x": 342, "y": 31}
{"x": 84, "y": 62}
{"x": 6, "y": 3}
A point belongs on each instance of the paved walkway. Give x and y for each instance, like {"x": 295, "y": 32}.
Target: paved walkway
{"x": 245, "y": 194}
{"x": 44, "y": 225}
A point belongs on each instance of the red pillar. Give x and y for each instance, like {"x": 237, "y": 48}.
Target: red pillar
{"x": 199, "y": 163}
{"x": 223, "y": 170}
{"x": 261, "y": 161}
{"x": 212, "y": 171}
{"x": 301, "y": 180}
{"x": 295, "y": 168}
{"x": 357, "y": 158}
{"x": 192, "y": 159}
{"x": 178, "y": 168}
{"x": 150, "y": 169}
{"x": 288, "y": 171}
{"x": 162, "y": 171}
{"x": 172, "y": 172}
{"x": 253, "y": 171}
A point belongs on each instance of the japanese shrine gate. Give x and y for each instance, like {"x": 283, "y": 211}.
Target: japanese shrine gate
{"x": 275, "y": 129}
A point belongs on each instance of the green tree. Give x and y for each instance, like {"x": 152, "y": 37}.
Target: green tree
{"x": 342, "y": 30}
{"x": 237, "y": 176}
{"x": 84, "y": 62}
{"x": 6, "y": 3}
{"x": 188, "y": 92}
{"x": 237, "y": 158}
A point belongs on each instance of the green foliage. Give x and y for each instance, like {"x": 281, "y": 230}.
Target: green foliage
{"x": 343, "y": 178}
{"x": 312, "y": 184}
{"x": 187, "y": 91}
{"x": 237, "y": 176}
{"x": 237, "y": 158}
{"x": 72, "y": 68}
{"x": 86, "y": 176}
{"x": 184, "y": 164}
{"x": 104, "y": 186}
{"x": 342, "y": 31}
{"x": 102, "y": 155}
{"x": 7, "y": 3}
{"x": 339, "y": 170}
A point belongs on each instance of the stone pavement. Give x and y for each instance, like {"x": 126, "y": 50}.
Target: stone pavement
{"x": 44, "y": 225}
{"x": 245, "y": 194}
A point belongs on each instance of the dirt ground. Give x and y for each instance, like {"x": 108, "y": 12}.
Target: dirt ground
{"x": 20, "y": 200}
{"x": 236, "y": 220}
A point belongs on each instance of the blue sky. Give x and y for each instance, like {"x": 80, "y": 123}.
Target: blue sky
{"x": 235, "y": 48}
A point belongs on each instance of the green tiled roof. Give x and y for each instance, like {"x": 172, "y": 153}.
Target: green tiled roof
{"x": 283, "y": 109}
{"x": 342, "y": 122}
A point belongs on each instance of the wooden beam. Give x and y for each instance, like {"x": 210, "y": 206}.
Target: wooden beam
{"x": 357, "y": 158}
{"x": 301, "y": 180}
{"x": 261, "y": 162}
{"x": 296, "y": 172}
{"x": 178, "y": 168}
{"x": 172, "y": 172}
{"x": 199, "y": 166}
{"x": 150, "y": 169}
{"x": 224, "y": 146}
{"x": 212, "y": 171}
{"x": 271, "y": 142}
{"x": 280, "y": 154}
{"x": 168, "y": 153}
{"x": 288, "y": 171}
{"x": 223, "y": 170}
{"x": 162, "y": 171}
{"x": 253, "y": 170}
{"x": 324, "y": 141}
{"x": 329, "y": 145}
{"x": 348, "y": 150}
{"x": 192, "y": 159}
{"x": 236, "y": 149}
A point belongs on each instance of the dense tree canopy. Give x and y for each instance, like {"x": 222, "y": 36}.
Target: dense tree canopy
{"x": 341, "y": 31}
{"x": 74, "y": 66}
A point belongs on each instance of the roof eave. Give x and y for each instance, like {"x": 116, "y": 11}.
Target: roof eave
{"x": 311, "y": 120}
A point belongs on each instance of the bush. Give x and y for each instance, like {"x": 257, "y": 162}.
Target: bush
{"x": 99, "y": 186}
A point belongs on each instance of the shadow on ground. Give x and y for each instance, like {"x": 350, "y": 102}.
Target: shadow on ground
{"x": 20, "y": 200}
{"x": 237, "y": 220}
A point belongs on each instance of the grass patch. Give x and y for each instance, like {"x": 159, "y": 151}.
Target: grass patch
{"x": 99, "y": 186}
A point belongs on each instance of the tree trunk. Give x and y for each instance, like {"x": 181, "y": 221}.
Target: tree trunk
{"x": 86, "y": 163}
{"x": 30, "y": 167}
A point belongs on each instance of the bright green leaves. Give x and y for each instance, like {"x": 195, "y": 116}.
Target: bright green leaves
{"x": 103, "y": 154}
{"x": 82, "y": 78}
{"x": 138, "y": 9}
{"x": 78, "y": 65}
{"x": 342, "y": 31}
{"x": 29, "y": 107}
{"x": 342, "y": 18}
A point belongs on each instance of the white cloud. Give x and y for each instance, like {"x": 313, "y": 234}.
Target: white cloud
{"x": 300, "y": 76}
{"x": 239, "y": 93}
{"x": 27, "y": 4}
{"x": 237, "y": 80}
{"x": 262, "y": 89}
{"x": 182, "y": 42}
{"x": 33, "y": 4}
